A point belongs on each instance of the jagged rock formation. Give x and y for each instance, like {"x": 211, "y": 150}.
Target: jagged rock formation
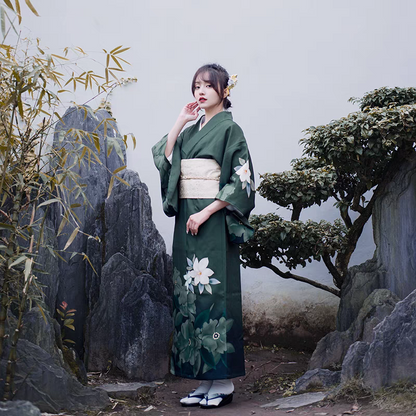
{"x": 333, "y": 347}
{"x": 391, "y": 355}
{"x": 42, "y": 376}
{"x": 128, "y": 240}
{"x": 131, "y": 323}
{"x": 376, "y": 334}
{"x": 123, "y": 309}
{"x": 394, "y": 264}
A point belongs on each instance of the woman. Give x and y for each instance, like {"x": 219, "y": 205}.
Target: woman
{"x": 207, "y": 184}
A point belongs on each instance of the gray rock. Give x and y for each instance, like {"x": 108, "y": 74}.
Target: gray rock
{"x": 361, "y": 281}
{"x": 391, "y": 356}
{"x": 41, "y": 381}
{"x": 131, "y": 323}
{"x": 134, "y": 391}
{"x": 43, "y": 333}
{"x": 297, "y": 401}
{"x": 352, "y": 365}
{"x": 96, "y": 177}
{"x": 129, "y": 228}
{"x": 395, "y": 231}
{"x": 376, "y": 307}
{"x": 18, "y": 408}
{"x": 331, "y": 349}
{"x": 394, "y": 264}
{"x": 317, "y": 379}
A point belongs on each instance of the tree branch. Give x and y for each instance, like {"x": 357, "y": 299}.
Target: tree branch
{"x": 289, "y": 275}
{"x": 338, "y": 279}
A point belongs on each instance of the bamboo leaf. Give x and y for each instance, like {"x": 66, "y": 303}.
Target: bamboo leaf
{"x": 9, "y": 4}
{"x": 92, "y": 267}
{"x": 3, "y": 22}
{"x": 42, "y": 312}
{"x": 19, "y": 260}
{"x": 70, "y": 327}
{"x": 30, "y": 5}
{"x": 115, "y": 49}
{"x": 57, "y": 56}
{"x": 119, "y": 169}
{"x": 48, "y": 202}
{"x": 4, "y": 226}
{"x": 69, "y": 340}
{"x": 19, "y": 15}
{"x": 62, "y": 225}
{"x": 68, "y": 321}
{"x": 71, "y": 238}
{"x": 122, "y": 180}
{"x": 120, "y": 51}
{"x": 110, "y": 187}
{"x": 28, "y": 268}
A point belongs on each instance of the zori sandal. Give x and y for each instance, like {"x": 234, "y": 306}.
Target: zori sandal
{"x": 217, "y": 400}
{"x": 191, "y": 400}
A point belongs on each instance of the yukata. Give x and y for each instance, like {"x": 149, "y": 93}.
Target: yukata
{"x": 207, "y": 164}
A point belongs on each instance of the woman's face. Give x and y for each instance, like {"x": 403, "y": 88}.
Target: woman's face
{"x": 205, "y": 95}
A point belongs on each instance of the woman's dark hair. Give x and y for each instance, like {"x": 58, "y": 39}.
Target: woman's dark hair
{"x": 217, "y": 76}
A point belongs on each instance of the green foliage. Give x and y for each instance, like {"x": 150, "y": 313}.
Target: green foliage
{"x": 362, "y": 144}
{"x": 66, "y": 321}
{"x": 292, "y": 243}
{"x": 352, "y": 160}
{"x": 386, "y": 97}
{"x": 305, "y": 187}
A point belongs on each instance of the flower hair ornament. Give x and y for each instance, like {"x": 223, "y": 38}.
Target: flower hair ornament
{"x": 232, "y": 82}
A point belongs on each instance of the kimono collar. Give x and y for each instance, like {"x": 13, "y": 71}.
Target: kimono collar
{"x": 197, "y": 135}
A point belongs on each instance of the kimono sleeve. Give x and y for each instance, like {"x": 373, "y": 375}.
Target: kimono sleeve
{"x": 169, "y": 175}
{"x": 237, "y": 177}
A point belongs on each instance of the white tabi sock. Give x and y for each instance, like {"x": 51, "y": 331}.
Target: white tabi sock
{"x": 203, "y": 388}
{"x": 218, "y": 387}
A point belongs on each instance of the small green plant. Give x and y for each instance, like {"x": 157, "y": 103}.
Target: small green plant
{"x": 66, "y": 321}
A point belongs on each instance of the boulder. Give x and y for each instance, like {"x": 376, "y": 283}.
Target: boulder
{"x": 331, "y": 349}
{"x": 360, "y": 282}
{"x": 317, "y": 379}
{"x": 47, "y": 385}
{"x": 131, "y": 323}
{"x": 19, "y": 408}
{"x": 391, "y": 356}
{"x": 352, "y": 365}
{"x": 42, "y": 330}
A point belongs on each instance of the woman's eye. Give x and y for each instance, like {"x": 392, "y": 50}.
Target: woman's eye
{"x": 208, "y": 85}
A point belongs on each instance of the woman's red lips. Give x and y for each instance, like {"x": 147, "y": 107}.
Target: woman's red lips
{"x": 202, "y": 99}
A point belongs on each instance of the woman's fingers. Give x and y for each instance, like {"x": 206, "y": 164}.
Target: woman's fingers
{"x": 191, "y": 226}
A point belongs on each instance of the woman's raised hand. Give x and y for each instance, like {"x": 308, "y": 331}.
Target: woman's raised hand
{"x": 190, "y": 111}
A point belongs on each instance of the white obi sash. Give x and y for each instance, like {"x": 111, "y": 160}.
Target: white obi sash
{"x": 199, "y": 179}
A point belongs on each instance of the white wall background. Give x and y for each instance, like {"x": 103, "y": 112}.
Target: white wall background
{"x": 298, "y": 63}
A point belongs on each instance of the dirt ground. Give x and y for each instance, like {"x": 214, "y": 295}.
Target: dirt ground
{"x": 270, "y": 372}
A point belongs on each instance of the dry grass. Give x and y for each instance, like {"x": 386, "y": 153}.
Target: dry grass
{"x": 399, "y": 397}
{"x": 352, "y": 390}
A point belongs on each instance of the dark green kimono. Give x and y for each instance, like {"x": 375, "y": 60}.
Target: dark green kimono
{"x": 208, "y": 335}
